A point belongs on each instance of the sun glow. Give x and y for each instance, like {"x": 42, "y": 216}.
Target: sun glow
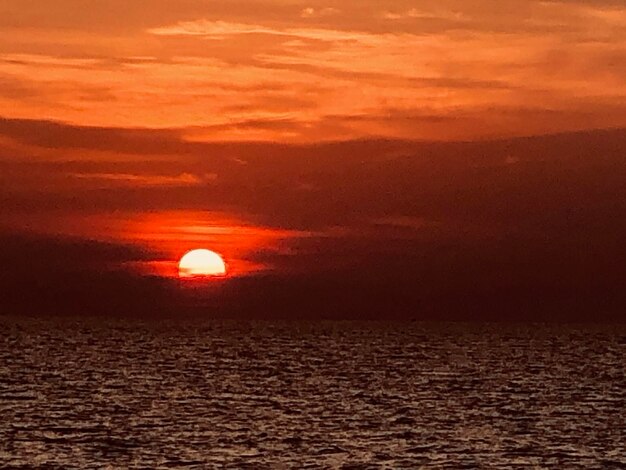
{"x": 201, "y": 263}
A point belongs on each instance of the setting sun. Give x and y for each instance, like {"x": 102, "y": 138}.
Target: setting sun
{"x": 201, "y": 263}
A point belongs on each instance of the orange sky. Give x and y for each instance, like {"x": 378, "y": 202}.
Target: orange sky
{"x": 306, "y": 71}
{"x": 368, "y": 139}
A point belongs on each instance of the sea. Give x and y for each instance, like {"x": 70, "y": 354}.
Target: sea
{"x": 95, "y": 393}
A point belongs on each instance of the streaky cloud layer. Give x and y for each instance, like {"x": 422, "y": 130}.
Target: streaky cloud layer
{"x": 266, "y": 70}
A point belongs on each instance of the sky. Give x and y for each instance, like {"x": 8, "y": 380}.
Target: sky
{"x": 378, "y": 159}
{"x": 308, "y": 71}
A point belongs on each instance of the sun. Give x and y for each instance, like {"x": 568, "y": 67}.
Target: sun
{"x": 201, "y": 263}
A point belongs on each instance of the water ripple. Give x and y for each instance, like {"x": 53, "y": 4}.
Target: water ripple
{"x": 327, "y": 395}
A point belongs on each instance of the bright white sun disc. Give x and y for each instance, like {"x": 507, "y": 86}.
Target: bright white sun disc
{"x": 201, "y": 263}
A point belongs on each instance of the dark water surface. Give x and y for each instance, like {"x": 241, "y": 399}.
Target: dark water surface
{"x": 328, "y": 395}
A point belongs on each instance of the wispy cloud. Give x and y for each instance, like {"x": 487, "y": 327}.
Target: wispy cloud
{"x": 303, "y": 72}
{"x": 146, "y": 180}
{"x": 221, "y": 29}
{"x": 311, "y": 12}
{"x": 415, "y": 13}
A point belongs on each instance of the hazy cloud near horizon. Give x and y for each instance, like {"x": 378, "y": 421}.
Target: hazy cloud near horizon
{"x": 533, "y": 185}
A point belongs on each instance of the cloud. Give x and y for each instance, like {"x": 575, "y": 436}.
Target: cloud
{"x": 145, "y": 180}
{"x": 56, "y": 135}
{"x": 215, "y": 29}
{"x": 345, "y": 183}
{"x": 221, "y": 29}
{"x": 424, "y": 14}
{"x": 304, "y": 79}
{"x": 319, "y": 12}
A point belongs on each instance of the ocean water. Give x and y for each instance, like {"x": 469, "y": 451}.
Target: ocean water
{"x": 96, "y": 394}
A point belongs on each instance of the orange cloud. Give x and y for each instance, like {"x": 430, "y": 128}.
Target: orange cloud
{"x": 286, "y": 72}
{"x": 125, "y": 179}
